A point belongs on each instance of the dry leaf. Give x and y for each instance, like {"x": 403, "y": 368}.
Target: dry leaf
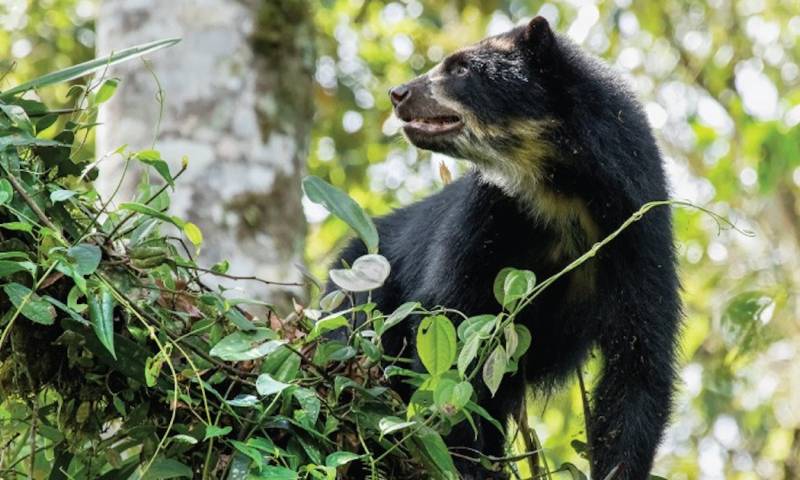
{"x": 444, "y": 173}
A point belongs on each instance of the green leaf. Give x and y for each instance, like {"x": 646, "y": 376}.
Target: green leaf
{"x": 91, "y": 66}
{"x": 310, "y": 405}
{"x": 239, "y": 320}
{"x": 283, "y": 364}
{"x": 474, "y": 407}
{"x": 468, "y": 354}
{"x": 574, "y": 472}
{"x": 153, "y": 158}
{"x": 8, "y": 267}
{"x": 344, "y": 207}
{"x": 72, "y": 299}
{"x": 213, "y": 431}
{"x": 61, "y": 195}
{"x": 270, "y": 472}
{"x": 106, "y": 90}
{"x": 101, "y": 314}
{"x": 399, "y": 315}
{"x": 152, "y": 369}
{"x": 524, "y": 341}
{"x": 337, "y": 459}
{"x": 443, "y": 393}
{"x": 6, "y": 191}
{"x": 450, "y": 397}
{"x": 743, "y": 320}
{"x": 512, "y": 340}
{"x": 494, "y": 368}
{"x": 193, "y": 233}
{"x": 243, "y": 400}
{"x": 152, "y": 212}
{"x": 86, "y": 257}
{"x": 473, "y": 325}
{"x": 167, "y": 468}
{"x": 436, "y": 450}
{"x": 14, "y": 254}
{"x": 46, "y": 121}
{"x": 253, "y": 454}
{"x": 462, "y": 393}
{"x": 332, "y": 300}
{"x": 18, "y": 117}
{"x": 17, "y": 226}
{"x": 367, "y": 273}
{"x": 185, "y": 439}
{"x": 249, "y": 345}
{"x": 30, "y": 304}
{"x": 436, "y": 343}
{"x": 327, "y": 324}
{"x": 266, "y": 385}
{"x": 17, "y": 139}
{"x": 388, "y": 425}
{"x": 69, "y": 311}
{"x": 511, "y": 285}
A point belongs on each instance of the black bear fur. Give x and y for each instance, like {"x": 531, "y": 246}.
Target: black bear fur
{"x": 563, "y": 155}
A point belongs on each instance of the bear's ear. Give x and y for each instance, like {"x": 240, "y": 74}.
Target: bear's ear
{"x": 538, "y": 37}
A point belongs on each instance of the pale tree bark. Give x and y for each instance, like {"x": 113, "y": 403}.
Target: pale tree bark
{"x": 237, "y": 103}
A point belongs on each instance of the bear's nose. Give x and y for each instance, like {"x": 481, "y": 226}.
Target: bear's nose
{"x": 398, "y": 94}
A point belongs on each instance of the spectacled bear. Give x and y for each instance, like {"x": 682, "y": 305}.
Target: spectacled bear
{"x": 562, "y": 156}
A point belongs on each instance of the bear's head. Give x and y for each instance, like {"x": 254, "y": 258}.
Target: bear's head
{"x": 489, "y": 103}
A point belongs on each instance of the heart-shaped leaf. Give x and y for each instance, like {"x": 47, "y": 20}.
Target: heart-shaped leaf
{"x": 266, "y": 385}
{"x": 389, "y": 425}
{"x": 436, "y": 343}
{"x": 249, "y": 345}
{"x": 331, "y": 322}
{"x": 367, "y": 273}
{"x": 511, "y": 285}
{"x": 86, "y": 257}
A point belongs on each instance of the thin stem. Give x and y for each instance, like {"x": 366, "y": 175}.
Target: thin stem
{"x": 241, "y": 277}
{"x": 587, "y": 420}
{"x": 22, "y": 193}
{"x": 110, "y": 237}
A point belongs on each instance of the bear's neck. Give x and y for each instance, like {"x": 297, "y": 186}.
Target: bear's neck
{"x": 541, "y": 202}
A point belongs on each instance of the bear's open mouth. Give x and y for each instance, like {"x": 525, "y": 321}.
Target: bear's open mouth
{"x": 434, "y": 125}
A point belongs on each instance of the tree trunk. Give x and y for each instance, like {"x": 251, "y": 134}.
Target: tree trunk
{"x": 237, "y": 102}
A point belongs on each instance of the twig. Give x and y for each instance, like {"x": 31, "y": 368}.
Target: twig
{"x": 529, "y": 440}
{"x": 587, "y": 420}
{"x": 110, "y": 237}
{"x": 56, "y": 111}
{"x": 34, "y": 425}
{"x": 104, "y": 205}
{"x": 491, "y": 458}
{"x": 612, "y": 472}
{"x": 22, "y": 193}
{"x": 241, "y": 277}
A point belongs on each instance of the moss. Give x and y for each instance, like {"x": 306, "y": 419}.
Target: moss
{"x": 283, "y": 42}
{"x": 273, "y": 212}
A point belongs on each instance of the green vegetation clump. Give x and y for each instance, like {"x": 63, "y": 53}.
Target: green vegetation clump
{"x": 119, "y": 361}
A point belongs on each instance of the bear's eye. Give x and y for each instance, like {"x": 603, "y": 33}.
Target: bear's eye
{"x": 460, "y": 70}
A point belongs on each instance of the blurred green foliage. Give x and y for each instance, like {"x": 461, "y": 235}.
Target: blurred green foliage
{"x": 720, "y": 82}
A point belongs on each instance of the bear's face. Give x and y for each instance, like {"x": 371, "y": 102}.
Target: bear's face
{"x": 486, "y": 103}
